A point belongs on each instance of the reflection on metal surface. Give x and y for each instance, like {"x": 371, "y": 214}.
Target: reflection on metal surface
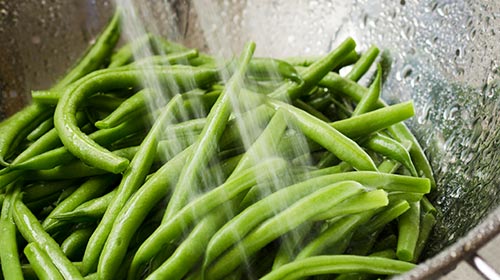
{"x": 486, "y": 271}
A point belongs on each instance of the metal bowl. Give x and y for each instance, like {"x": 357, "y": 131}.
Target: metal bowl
{"x": 445, "y": 55}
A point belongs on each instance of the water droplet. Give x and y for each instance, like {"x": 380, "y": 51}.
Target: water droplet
{"x": 36, "y": 40}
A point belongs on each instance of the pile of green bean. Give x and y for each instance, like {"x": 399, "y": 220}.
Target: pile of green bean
{"x": 98, "y": 184}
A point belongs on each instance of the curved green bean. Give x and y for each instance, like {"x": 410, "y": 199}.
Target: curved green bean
{"x": 41, "y": 263}
{"x": 339, "y": 264}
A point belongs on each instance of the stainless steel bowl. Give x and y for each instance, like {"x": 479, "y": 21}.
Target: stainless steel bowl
{"x": 445, "y": 55}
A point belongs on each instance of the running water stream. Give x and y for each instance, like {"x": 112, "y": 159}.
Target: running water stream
{"x": 248, "y": 125}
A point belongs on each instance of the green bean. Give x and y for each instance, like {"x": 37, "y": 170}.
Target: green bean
{"x": 426, "y": 224}
{"x": 408, "y": 196}
{"x": 96, "y": 54}
{"x": 133, "y": 178}
{"x": 62, "y": 155}
{"x": 182, "y": 57}
{"x": 409, "y": 227}
{"x": 104, "y": 102}
{"x": 375, "y": 120}
{"x": 388, "y": 166}
{"x": 391, "y": 149}
{"x": 171, "y": 228}
{"x": 301, "y": 211}
{"x": 254, "y": 214}
{"x": 190, "y": 250}
{"x": 129, "y": 108}
{"x": 336, "y": 232}
{"x": 339, "y": 264}
{"x": 135, "y": 211}
{"x": 205, "y": 146}
{"x": 41, "y": 129}
{"x": 126, "y": 53}
{"x": 9, "y": 177}
{"x": 92, "y": 188}
{"x": 390, "y": 254}
{"x": 74, "y": 245}
{"x": 311, "y": 110}
{"x": 17, "y": 127}
{"x": 389, "y": 242}
{"x": 327, "y": 136}
{"x": 399, "y": 131}
{"x": 341, "y": 167}
{"x": 39, "y": 190}
{"x": 91, "y": 210}
{"x": 393, "y": 211}
{"x": 314, "y": 73}
{"x": 350, "y": 58}
{"x": 41, "y": 263}
{"x": 427, "y": 206}
{"x": 363, "y": 202}
{"x": 368, "y": 101}
{"x": 269, "y": 68}
{"x": 72, "y": 170}
{"x": 363, "y": 64}
{"x": 9, "y": 256}
{"x": 80, "y": 144}
{"x": 32, "y": 231}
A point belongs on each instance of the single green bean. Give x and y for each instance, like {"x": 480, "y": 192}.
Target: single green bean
{"x": 9, "y": 256}
{"x": 363, "y": 202}
{"x": 182, "y": 57}
{"x": 391, "y": 149}
{"x": 409, "y": 228}
{"x": 375, "y": 120}
{"x": 73, "y": 170}
{"x": 368, "y": 101}
{"x": 327, "y": 136}
{"x": 319, "y": 265}
{"x": 392, "y": 211}
{"x": 126, "y": 53}
{"x": 349, "y": 59}
{"x": 74, "y": 245}
{"x": 206, "y": 145}
{"x": 389, "y": 253}
{"x": 41, "y": 263}
{"x": 427, "y": 206}
{"x": 311, "y": 110}
{"x": 301, "y": 211}
{"x": 363, "y": 64}
{"x": 96, "y": 55}
{"x": 129, "y": 108}
{"x": 18, "y": 126}
{"x": 314, "y": 73}
{"x": 426, "y": 224}
{"x": 269, "y": 68}
{"x": 41, "y": 129}
{"x": 31, "y": 229}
